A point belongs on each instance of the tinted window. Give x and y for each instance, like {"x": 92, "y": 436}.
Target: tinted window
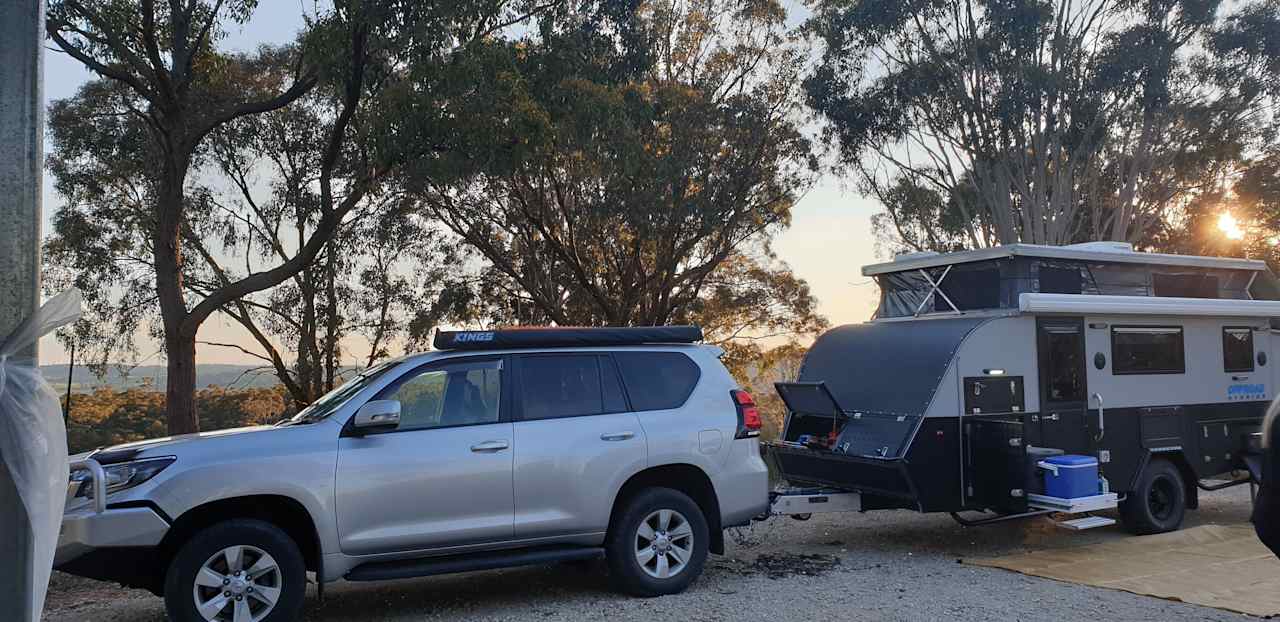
{"x": 448, "y": 395}
{"x": 1186, "y": 285}
{"x": 1064, "y": 364}
{"x": 1237, "y": 349}
{"x": 1147, "y": 350}
{"x": 969, "y": 289}
{"x": 611, "y": 388}
{"x": 657, "y": 380}
{"x": 1060, "y": 280}
{"x": 560, "y": 386}
{"x": 329, "y": 402}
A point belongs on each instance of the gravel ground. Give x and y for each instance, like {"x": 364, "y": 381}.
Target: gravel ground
{"x": 875, "y": 566}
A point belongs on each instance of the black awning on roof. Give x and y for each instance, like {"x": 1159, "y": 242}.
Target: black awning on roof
{"x": 886, "y": 367}
{"x": 551, "y": 337}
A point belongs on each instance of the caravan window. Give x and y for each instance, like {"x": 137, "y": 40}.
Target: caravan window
{"x": 1055, "y": 280}
{"x": 1237, "y": 349}
{"x": 1193, "y": 285}
{"x": 969, "y": 288}
{"x": 1147, "y": 350}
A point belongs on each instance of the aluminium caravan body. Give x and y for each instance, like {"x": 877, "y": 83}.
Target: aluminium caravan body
{"x": 981, "y": 366}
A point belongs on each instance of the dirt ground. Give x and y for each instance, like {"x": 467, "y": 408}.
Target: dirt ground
{"x": 874, "y": 566}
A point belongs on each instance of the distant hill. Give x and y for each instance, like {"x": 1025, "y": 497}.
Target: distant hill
{"x": 243, "y": 376}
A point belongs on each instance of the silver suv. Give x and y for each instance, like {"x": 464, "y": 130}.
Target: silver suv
{"x": 500, "y": 448}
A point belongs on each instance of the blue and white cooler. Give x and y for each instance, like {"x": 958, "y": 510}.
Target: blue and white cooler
{"x": 1070, "y": 476}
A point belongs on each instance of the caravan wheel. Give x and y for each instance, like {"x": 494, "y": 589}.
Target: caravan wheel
{"x": 1160, "y": 501}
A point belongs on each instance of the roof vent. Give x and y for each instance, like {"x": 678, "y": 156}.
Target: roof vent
{"x": 914, "y": 255}
{"x": 1104, "y": 247}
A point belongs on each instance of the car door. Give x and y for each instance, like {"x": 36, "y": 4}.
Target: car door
{"x": 442, "y": 477}
{"x": 577, "y": 443}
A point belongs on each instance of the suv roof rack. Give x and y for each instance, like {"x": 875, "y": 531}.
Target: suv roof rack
{"x": 547, "y": 337}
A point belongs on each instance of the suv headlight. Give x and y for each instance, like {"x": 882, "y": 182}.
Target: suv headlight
{"x": 120, "y": 476}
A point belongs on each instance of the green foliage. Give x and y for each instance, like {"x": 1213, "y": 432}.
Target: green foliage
{"x": 634, "y": 174}
{"x": 107, "y": 417}
{"x": 197, "y": 178}
{"x": 611, "y": 162}
{"x": 978, "y": 122}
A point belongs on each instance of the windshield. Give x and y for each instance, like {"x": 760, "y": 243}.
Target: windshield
{"x": 330, "y": 401}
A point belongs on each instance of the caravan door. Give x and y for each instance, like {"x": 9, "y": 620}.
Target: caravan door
{"x": 1064, "y": 395}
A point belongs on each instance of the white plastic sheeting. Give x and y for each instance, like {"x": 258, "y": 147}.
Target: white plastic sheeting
{"x": 33, "y": 440}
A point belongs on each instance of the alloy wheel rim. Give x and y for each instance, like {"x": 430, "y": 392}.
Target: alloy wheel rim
{"x": 1160, "y": 500}
{"x": 240, "y": 583}
{"x": 664, "y": 544}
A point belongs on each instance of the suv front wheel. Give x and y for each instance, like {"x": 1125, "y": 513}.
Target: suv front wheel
{"x": 657, "y": 543}
{"x": 237, "y": 571}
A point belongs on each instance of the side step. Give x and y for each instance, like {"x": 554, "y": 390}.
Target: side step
{"x": 1088, "y": 522}
{"x": 488, "y": 560}
{"x": 1077, "y": 505}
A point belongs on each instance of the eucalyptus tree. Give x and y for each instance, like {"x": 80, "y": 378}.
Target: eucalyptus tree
{"x": 643, "y": 162}
{"x": 167, "y": 88}
{"x": 978, "y": 122}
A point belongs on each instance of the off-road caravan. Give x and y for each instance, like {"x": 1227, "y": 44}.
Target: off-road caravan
{"x": 981, "y": 366}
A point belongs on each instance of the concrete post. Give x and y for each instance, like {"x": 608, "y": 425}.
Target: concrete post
{"x": 21, "y": 165}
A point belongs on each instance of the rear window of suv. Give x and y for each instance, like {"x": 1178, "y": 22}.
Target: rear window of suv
{"x": 657, "y": 380}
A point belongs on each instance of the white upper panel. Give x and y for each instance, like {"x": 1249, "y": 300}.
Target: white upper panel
{"x": 1091, "y": 251}
{"x": 1077, "y": 304}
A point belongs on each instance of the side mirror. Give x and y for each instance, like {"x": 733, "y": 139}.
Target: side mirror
{"x": 377, "y": 415}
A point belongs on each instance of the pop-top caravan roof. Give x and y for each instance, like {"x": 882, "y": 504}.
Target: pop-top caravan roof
{"x": 998, "y": 278}
{"x": 1110, "y": 252}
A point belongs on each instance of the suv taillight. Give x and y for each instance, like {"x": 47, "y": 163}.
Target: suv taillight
{"x": 749, "y": 422}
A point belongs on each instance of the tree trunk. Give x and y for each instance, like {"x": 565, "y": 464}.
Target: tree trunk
{"x": 180, "y": 347}
{"x": 331, "y": 321}
{"x": 180, "y": 389}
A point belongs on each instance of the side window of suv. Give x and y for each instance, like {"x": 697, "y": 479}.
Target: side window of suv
{"x": 447, "y": 395}
{"x": 568, "y": 385}
{"x": 658, "y": 380}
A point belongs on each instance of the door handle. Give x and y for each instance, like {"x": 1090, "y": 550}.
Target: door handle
{"x": 490, "y": 446}
{"x": 1239, "y": 378}
{"x": 616, "y": 436}
{"x": 1051, "y": 417}
{"x": 1102, "y": 418}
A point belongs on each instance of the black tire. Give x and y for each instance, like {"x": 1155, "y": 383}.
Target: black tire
{"x": 1159, "y": 503}
{"x": 623, "y": 540}
{"x": 180, "y": 586}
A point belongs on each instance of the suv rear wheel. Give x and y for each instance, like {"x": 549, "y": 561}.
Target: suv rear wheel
{"x": 657, "y": 543}
{"x": 237, "y": 571}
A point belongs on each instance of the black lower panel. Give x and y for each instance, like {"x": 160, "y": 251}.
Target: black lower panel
{"x": 995, "y": 462}
{"x": 934, "y": 463}
{"x": 945, "y": 470}
{"x": 1212, "y": 437}
{"x": 408, "y": 568}
{"x": 132, "y": 566}
{"x": 883, "y": 477}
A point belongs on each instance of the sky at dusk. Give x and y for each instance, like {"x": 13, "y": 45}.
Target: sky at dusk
{"x": 828, "y": 242}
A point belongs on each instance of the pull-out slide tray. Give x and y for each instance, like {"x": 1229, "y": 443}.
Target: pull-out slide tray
{"x": 886, "y": 477}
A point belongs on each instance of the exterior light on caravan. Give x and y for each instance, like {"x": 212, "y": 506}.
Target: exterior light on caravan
{"x": 993, "y": 372}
